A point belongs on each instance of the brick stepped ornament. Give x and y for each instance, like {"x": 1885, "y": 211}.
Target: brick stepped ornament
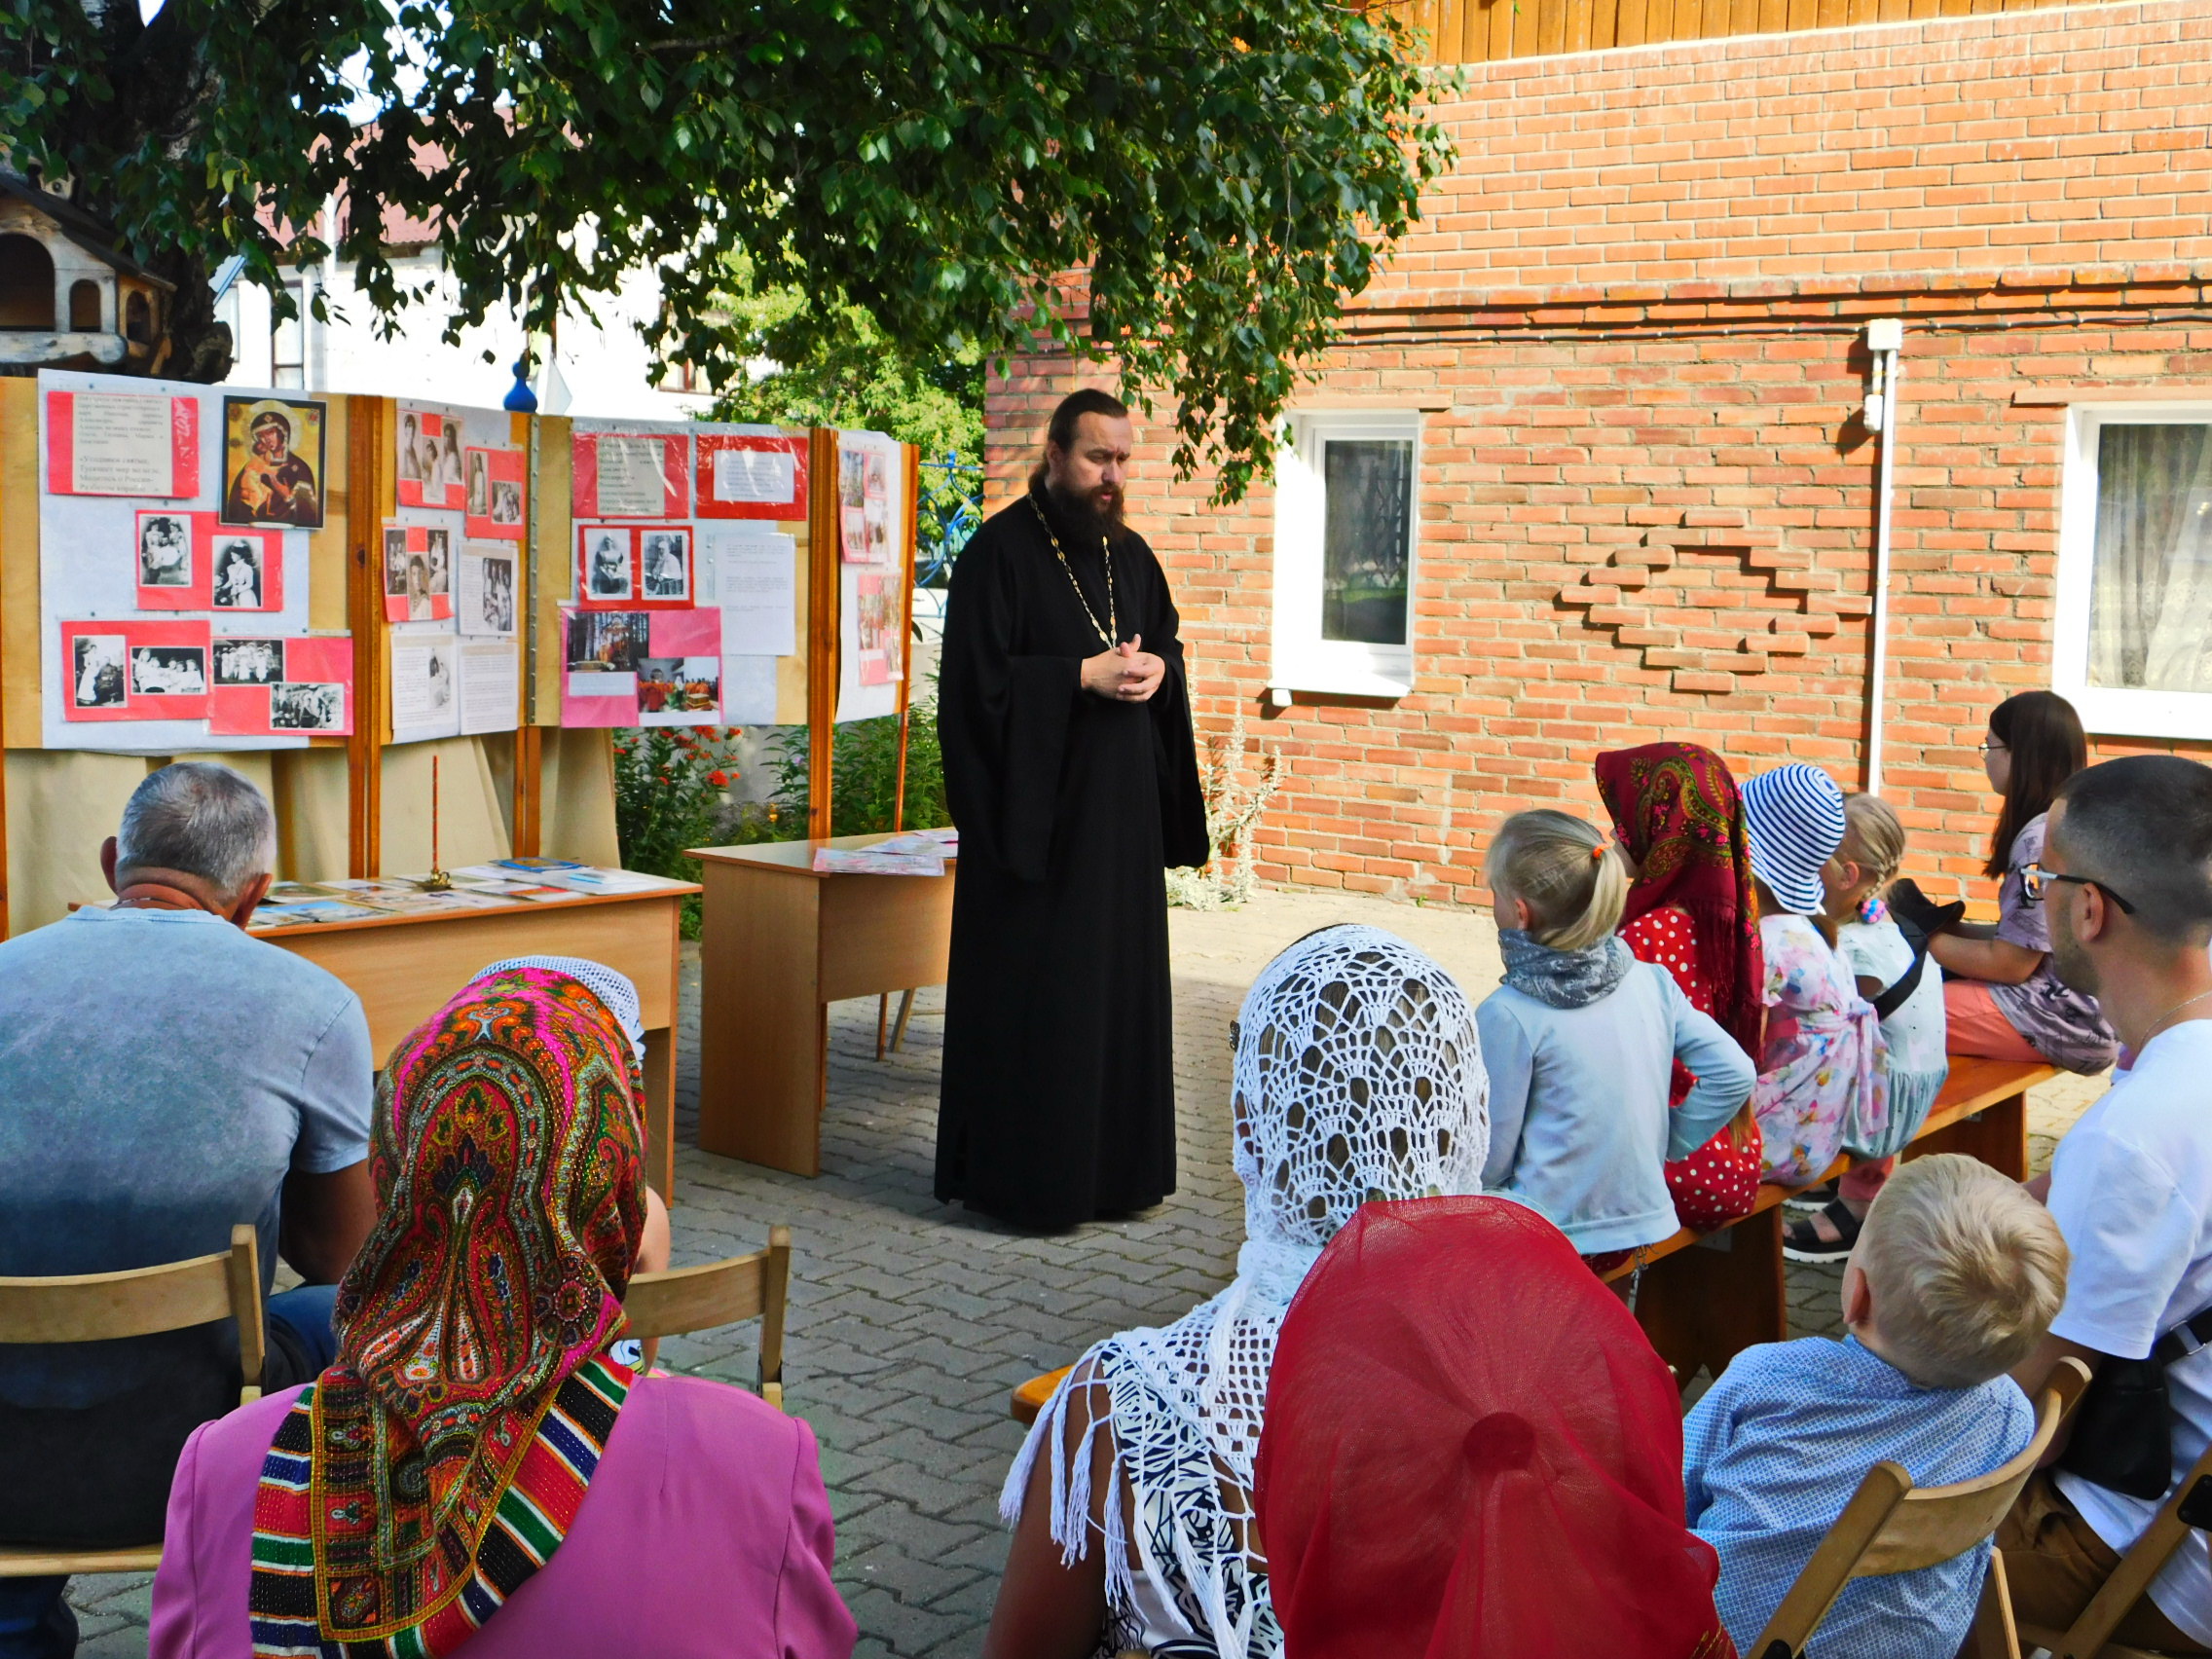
{"x": 1631, "y": 596}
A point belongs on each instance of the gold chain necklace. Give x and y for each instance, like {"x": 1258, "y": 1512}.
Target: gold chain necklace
{"x": 1110, "y": 631}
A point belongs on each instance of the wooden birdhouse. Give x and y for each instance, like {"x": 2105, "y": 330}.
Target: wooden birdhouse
{"x": 68, "y": 299}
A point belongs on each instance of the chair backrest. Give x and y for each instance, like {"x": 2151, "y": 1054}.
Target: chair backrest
{"x": 1890, "y": 1526}
{"x": 721, "y": 1293}
{"x": 94, "y": 1308}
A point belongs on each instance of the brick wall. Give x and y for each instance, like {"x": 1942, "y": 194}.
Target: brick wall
{"x": 1648, "y": 501}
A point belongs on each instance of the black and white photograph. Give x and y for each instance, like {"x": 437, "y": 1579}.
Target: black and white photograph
{"x": 485, "y": 597}
{"x": 665, "y": 559}
{"x": 98, "y": 671}
{"x": 396, "y": 562}
{"x": 164, "y": 550}
{"x": 479, "y": 502}
{"x": 237, "y": 573}
{"x": 606, "y": 563}
{"x": 506, "y": 502}
{"x": 606, "y": 641}
{"x": 440, "y": 559}
{"x": 296, "y": 707}
{"x": 169, "y": 671}
{"x": 248, "y": 662}
{"x": 439, "y": 670}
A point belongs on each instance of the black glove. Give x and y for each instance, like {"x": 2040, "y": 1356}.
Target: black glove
{"x": 1918, "y": 916}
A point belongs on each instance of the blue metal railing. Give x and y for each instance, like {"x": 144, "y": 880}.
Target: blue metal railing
{"x": 952, "y": 511}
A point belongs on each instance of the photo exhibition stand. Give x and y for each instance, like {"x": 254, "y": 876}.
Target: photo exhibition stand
{"x": 361, "y": 801}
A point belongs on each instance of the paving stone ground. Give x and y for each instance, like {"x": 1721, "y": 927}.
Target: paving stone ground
{"x": 910, "y": 1322}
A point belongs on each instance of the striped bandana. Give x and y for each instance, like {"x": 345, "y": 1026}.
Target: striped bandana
{"x": 1793, "y": 819}
{"x": 287, "y": 1601}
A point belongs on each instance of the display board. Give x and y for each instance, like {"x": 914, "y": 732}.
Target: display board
{"x": 188, "y": 570}
{"x": 174, "y": 568}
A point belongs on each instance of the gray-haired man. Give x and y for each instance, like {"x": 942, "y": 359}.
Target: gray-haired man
{"x": 164, "y": 1077}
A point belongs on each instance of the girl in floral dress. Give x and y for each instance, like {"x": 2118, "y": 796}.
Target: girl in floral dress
{"x": 1690, "y": 910}
{"x": 1822, "y": 1081}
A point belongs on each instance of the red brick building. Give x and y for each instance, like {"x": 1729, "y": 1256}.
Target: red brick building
{"x": 1593, "y": 464}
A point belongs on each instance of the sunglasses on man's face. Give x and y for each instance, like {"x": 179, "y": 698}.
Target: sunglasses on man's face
{"x": 2035, "y": 883}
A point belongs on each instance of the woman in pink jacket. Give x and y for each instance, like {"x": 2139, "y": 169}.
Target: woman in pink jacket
{"x": 477, "y": 1469}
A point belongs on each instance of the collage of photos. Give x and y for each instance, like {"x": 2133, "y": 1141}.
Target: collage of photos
{"x": 418, "y": 565}
{"x": 630, "y": 668}
{"x": 621, "y": 565}
{"x": 430, "y": 470}
{"x": 185, "y": 561}
{"x": 133, "y": 670}
{"x": 269, "y": 686}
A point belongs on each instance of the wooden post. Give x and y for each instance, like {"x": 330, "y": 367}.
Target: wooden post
{"x": 20, "y": 710}
{"x": 371, "y": 496}
{"x": 824, "y": 587}
{"x": 912, "y": 456}
{"x": 529, "y": 782}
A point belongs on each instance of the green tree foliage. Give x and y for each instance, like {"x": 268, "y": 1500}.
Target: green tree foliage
{"x": 1226, "y": 172}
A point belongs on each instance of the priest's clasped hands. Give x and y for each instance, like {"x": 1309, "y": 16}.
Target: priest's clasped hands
{"x": 1124, "y": 674}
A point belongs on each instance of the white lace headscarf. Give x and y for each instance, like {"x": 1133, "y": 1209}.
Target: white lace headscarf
{"x": 1358, "y": 1077}
{"x": 612, "y": 988}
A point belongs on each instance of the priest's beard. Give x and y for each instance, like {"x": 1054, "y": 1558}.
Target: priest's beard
{"x": 1089, "y": 515}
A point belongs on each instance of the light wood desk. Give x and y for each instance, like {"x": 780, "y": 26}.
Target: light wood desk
{"x": 404, "y": 968}
{"x": 780, "y": 944}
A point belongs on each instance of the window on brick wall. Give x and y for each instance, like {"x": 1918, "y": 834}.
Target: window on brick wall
{"x": 2134, "y": 649}
{"x": 1347, "y": 535}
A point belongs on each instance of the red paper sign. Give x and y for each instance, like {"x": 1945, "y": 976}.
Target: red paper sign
{"x": 112, "y": 458}
{"x": 628, "y": 475}
{"x": 134, "y": 671}
{"x": 741, "y": 476}
{"x": 497, "y": 496}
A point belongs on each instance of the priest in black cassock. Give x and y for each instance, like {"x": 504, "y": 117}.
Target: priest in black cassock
{"x": 1065, "y": 724}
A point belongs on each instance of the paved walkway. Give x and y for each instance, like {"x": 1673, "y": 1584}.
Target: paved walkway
{"x": 910, "y": 1323}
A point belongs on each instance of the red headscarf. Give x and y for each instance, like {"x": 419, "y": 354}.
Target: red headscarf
{"x": 1676, "y": 812}
{"x": 1469, "y": 1448}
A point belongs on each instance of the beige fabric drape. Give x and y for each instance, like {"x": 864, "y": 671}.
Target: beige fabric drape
{"x": 472, "y": 824}
{"x": 576, "y": 795}
{"x": 61, "y": 804}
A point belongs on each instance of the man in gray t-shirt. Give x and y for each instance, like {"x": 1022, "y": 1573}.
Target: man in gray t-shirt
{"x": 163, "y": 1076}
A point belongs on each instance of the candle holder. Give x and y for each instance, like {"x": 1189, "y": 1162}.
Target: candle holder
{"x": 437, "y": 881}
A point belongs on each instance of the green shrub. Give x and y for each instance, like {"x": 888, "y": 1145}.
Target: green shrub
{"x": 672, "y": 792}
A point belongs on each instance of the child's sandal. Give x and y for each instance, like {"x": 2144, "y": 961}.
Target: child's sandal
{"x": 1803, "y": 1242}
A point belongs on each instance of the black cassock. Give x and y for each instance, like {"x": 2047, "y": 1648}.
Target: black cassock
{"x": 1058, "y": 1100}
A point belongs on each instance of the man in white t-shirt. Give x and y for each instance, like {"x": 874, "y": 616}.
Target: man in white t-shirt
{"x": 2125, "y": 878}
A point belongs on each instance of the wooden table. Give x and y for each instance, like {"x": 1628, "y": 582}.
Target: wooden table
{"x": 780, "y": 944}
{"x": 404, "y": 968}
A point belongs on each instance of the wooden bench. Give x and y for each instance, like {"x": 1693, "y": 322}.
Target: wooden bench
{"x": 1705, "y": 1297}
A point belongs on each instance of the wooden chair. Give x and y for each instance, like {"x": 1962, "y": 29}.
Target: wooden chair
{"x": 1890, "y": 1526}
{"x": 721, "y": 1292}
{"x": 2188, "y": 1505}
{"x": 98, "y": 1308}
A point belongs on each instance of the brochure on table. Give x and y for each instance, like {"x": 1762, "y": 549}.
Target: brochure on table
{"x": 174, "y": 568}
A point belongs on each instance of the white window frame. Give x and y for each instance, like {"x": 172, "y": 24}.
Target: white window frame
{"x": 1302, "y": 660}
{"x": 2113, "y": 710}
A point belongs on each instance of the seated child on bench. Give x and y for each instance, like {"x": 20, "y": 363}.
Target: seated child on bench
{"x": 1581, "y": 1042}
{"x": 1957, "y": 1275}
{"x": 1907, "y": 990}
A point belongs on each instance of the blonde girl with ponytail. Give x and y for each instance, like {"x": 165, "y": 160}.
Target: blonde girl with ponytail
{"x": 1581, "y": 1042}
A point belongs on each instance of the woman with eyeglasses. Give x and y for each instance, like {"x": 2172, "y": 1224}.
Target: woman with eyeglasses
{"x": 2001, "y": 998}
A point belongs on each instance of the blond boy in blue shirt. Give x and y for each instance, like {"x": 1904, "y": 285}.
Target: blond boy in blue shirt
{"x": 1957, "y": 1275}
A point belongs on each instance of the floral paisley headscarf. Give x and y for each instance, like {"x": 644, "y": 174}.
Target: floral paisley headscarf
{"x": 441, "y": 1458}
{"x": 1675, "y": 809}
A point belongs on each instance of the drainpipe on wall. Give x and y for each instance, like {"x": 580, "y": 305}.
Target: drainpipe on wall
{"x": 1885, "y": 340}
